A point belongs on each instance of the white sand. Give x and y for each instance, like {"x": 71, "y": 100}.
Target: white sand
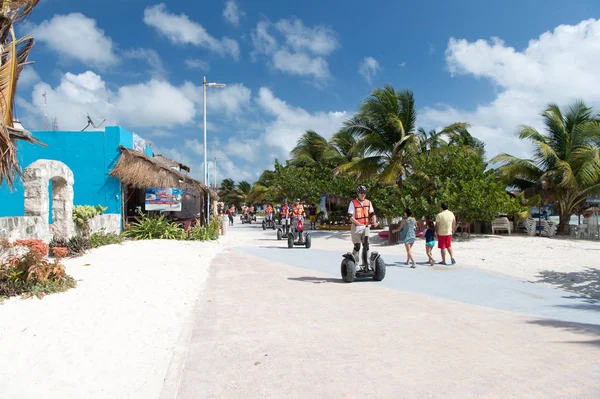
{"x": 113, "y": 336}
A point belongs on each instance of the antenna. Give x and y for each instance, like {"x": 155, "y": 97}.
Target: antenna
{"x": 91, "y": 122}
{"x": 45, "y": 111}
{"x": 54, "y": 124}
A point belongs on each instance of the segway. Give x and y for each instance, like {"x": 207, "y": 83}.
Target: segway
{"x": 298, "y": 237}
{"x": 268, "y": 224}
{"x": 282, "y": 232}
{"x": 372, "y": 265}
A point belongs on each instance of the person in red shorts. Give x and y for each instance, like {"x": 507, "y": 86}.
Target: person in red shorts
{"x": 445, "y": 224}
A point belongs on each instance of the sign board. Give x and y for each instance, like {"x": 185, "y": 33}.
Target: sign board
{"x": 139, "y": 144}
{"x": 163, "y": 199}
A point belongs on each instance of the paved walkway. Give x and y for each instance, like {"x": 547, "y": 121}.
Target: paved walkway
{"x": 472, "y": 286}
{"x": 272, "y": 324}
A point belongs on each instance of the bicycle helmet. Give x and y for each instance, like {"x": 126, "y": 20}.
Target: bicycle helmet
{"x": 361, "y": 189}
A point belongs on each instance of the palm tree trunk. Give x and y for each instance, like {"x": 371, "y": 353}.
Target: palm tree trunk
{"x": 563, "y": 223}
{"x": 400, "y": 183}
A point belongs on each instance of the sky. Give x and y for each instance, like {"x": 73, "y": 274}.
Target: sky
{"x": 292, "y": 66}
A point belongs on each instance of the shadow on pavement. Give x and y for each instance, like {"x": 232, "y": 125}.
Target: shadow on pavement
{"x": 317, "y": 280}
{"x": 586, "y": 283}
{"x": 579, "y": 328}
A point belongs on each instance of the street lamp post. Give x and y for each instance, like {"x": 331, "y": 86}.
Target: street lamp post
{"x": 205, "y": 167}
{"x": 215, "y": 170}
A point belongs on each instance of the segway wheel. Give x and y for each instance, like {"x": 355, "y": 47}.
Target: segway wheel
{"x": 279, "y": 234}
{"x": 348, "y": 270}
{"x": 307, "y": 241}
{"x": 291, "y": 241}
{"x": 273, "y": 224}
{"x": 379, "y": 270}
{"x": 264, "y": 225}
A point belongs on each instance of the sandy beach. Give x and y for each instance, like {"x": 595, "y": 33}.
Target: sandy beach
{"x": 112, "y": 336}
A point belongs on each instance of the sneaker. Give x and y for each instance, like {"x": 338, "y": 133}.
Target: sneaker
{"x": 453, "y": 261}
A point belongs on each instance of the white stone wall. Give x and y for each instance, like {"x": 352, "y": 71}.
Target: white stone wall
{"x": 24, "y": 228}
{"x": 111, "y": 223}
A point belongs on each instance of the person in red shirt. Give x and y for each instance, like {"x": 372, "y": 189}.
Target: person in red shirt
{"x": 269, "y": 212}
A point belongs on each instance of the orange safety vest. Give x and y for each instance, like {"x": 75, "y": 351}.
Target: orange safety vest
{"x": 285, "y": 210}
{"x": 269, "y": 210}
{"x": 297, "y": 210}
{"x": 361, "y": 212}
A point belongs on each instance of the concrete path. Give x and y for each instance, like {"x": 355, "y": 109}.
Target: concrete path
{"x": 268, "y": 330}
{"x": 279, "y": 323}
{"x": 472, "y": 286}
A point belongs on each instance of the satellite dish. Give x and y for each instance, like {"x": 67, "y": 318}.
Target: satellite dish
{"x": 91, "y": 122}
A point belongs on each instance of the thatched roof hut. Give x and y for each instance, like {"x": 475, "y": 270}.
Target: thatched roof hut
{"x": 140, "y": 171}
{"x": 336, "y": 200}
{"x": 171, "y": 163}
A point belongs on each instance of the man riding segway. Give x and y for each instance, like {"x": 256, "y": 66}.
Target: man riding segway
{"x": 286, "y": 211}
{"x": 362, "y": 215}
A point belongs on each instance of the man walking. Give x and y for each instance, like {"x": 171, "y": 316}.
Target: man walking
{"x": 445, "y": 224}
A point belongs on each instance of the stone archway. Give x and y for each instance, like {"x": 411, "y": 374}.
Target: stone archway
{"x": 36, "y": 178}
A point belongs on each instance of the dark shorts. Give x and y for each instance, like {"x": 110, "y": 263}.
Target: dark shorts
{"x": 444, "y": 242}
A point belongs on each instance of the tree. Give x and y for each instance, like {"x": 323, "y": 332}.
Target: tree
{"x": 12, "y": 61}
{"x": 459, "y": 177}
{"x": 244, "y": 189}
{"x": 566, "y": 160}
{"x": 384, "y": 130}
{"x": 313, "y": 149}
{"x": 229, "y": 192}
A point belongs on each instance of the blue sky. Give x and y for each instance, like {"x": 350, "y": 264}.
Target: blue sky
{"x": 297, "y": 65}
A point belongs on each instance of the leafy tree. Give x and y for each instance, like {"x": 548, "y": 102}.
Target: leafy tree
{"x": 384, "y": 130}
{"x": 313, "y": 149}
{"x": 566, "y": 160}
{"x": 459, "y": 177}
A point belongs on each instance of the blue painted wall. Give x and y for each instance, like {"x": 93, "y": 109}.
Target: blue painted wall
{"x": 91, "y": 155}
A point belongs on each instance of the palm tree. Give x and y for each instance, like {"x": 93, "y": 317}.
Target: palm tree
{"x": 430, "y": 140}
{"x": 228, "y": 191}
{"x": 244, "y": 189}
{"x": 345, "y": 144}
{"x": 312, "y": 149}
{"x": 384, "y": 129}
{"x": 13, "y": 58}
{"x": 566, "y": 160}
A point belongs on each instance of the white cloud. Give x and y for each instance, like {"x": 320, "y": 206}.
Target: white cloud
{"x": 301, "y": 64}
{"x": 232, "y": 13}
{"x": 318, "y": 40}
{"x": 28, "y": 77}
{"x": 77, "y": 37}
{"x": 155, "y": 103}
{"x": 559, "y": 66}
{"x": 289, "y": 123}
{"x": 194, "y": 63}
{"x": 230, "y": 100}
{"x": 301, "y": 51}
{"x": 179, "y": 29}
{"x": 157, "y": 69}
{"x": 368, "y": 68}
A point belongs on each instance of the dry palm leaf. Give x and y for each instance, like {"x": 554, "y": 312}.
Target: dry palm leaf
{"x": 19, "y": 9}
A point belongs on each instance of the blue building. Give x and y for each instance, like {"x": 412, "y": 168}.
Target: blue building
{"x": 93, "y": 157}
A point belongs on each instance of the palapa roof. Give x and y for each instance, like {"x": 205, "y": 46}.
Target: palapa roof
{"x": 16, "y": 133}
{"x": 337, "y": 200}
{"x": 142, "y": 171}
{"x": 171, "y": 162}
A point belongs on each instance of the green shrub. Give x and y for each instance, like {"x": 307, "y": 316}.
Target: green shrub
{"x": 205, "y": 233}
{"x": 152, "y": 228}
{"x": 102, "y": 238}
{"x": 83, "y": 213}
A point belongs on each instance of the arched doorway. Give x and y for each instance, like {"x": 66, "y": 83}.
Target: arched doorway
{"x": 36, "y": 178}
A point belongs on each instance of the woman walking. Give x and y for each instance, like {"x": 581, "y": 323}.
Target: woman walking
{"x": 407, "y": 235}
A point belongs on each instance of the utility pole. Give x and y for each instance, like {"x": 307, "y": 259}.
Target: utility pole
{"x": 45, "y": 111}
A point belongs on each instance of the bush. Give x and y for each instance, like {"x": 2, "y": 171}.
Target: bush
{"x": 77, "y": 245}
{"x": 101, "y": 238}
{"x": 205, "y": 233}
{"x": 151, "y": 228}
{"x": 32, "y": 273}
